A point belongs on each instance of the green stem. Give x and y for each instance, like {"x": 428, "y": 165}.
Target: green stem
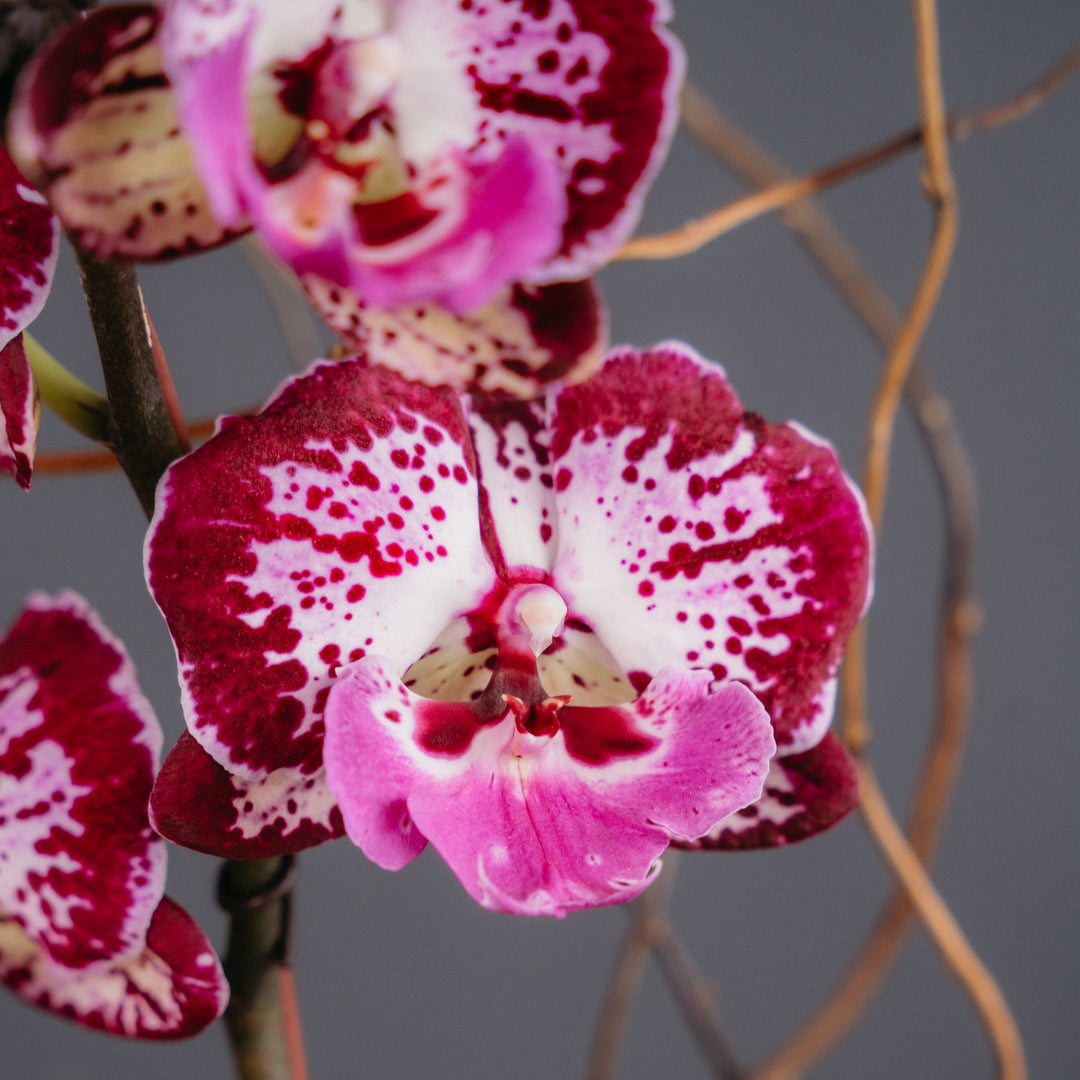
{"x": 77, "y": 404}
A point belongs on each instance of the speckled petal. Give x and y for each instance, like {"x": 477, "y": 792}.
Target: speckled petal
{"x": 29, "y": 237}
{"x": 94, "y": 125}
{"x": 592, "y": 87}
{"x": 28, "y": 248}
{"x": 541, "y": 824}
{"x": 340, "y": 520}
{"x": 804, "y": 795}
{"x": 171, "y": 989}
{"x": 691, "y": 532}
{"x": 523, "y": 339}
{"x": 197, "y": 804}
{"x": 19, "y": 411}
{"x": 82, "y": 870}
{"x": 83, "y": 927}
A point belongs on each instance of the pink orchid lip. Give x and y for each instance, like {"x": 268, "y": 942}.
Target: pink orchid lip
{"x": 540, "y": 807}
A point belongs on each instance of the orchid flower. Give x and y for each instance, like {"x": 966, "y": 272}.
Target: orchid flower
{"x": 28, "y": 249}
{"x": 85, "y": 930}
{"x": 404, "y": 150}
{"x": 549, "y": 637}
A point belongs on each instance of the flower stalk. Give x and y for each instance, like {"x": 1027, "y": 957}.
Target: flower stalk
{"x": 261, "y": 1018}
{"x": 139, "y": 429}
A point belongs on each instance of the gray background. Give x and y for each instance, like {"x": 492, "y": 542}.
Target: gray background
{"x": 402, "y": 975}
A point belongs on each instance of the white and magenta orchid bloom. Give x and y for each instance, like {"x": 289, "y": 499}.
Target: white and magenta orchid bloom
{"x": 28, "y": 248}
{"x": 85, "y": 930}
{"x": 549, "y": 637}
{"x": 407, "y": 150}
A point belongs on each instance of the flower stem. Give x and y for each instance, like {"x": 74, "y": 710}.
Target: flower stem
{"x": 139, "y": 429}
{"x": 262, "y": 1017}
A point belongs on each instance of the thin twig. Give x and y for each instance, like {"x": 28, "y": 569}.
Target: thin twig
{"x": 958, "y": 619}
{"x": 695, "y": 1001}
{"x": 955, "y": 949}
{"x": 695, "y": 234}
{"x": 651, "y": 931}
{"x": 1019, "y": 106}
{"x": 936, "y": 917}
{"x": 629, "y": 971}
{"x": 937, "y": 180}
{"x": 76, "y": 461}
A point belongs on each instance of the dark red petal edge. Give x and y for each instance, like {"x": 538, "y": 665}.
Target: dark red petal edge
{"x": 194, "y": 804}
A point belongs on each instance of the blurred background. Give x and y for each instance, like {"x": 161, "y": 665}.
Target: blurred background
{"x": 402, "y": 975}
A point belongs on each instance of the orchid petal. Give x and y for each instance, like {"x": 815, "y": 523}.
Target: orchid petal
{"x": 516, "y": 485}
{"x": 19, "y": 410}
{"x": 593, "y": 90}
{"x": 524, "y": 338}
{"x": 340, "y": 520}
{"x": 804, "y": 794}
{"x": 95, "y": 127}
{"x": 29, "y": 237}
{"x": 84, "y": 929}
{"x": 692, "y": 532}
{"x": 199, "y": 805}
{"x": 171, "y": 989}
{"x": 542, "y": 824}
{"x": 73, "y": 845}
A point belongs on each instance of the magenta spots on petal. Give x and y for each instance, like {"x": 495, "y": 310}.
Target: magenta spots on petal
{"x": 667, "y": 524}
{"x": 362, "y": 476}
{"x": 733, "y": 518}
{"x": 598, "y": 736}
{"x": 446, "y": 728}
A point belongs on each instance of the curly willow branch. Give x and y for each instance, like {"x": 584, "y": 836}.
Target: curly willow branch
{"x": 937, "y": 180}
{"x": 958, "y": 612}
{"x": 784, "y": 190}
{"x": 650, "y": 931}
